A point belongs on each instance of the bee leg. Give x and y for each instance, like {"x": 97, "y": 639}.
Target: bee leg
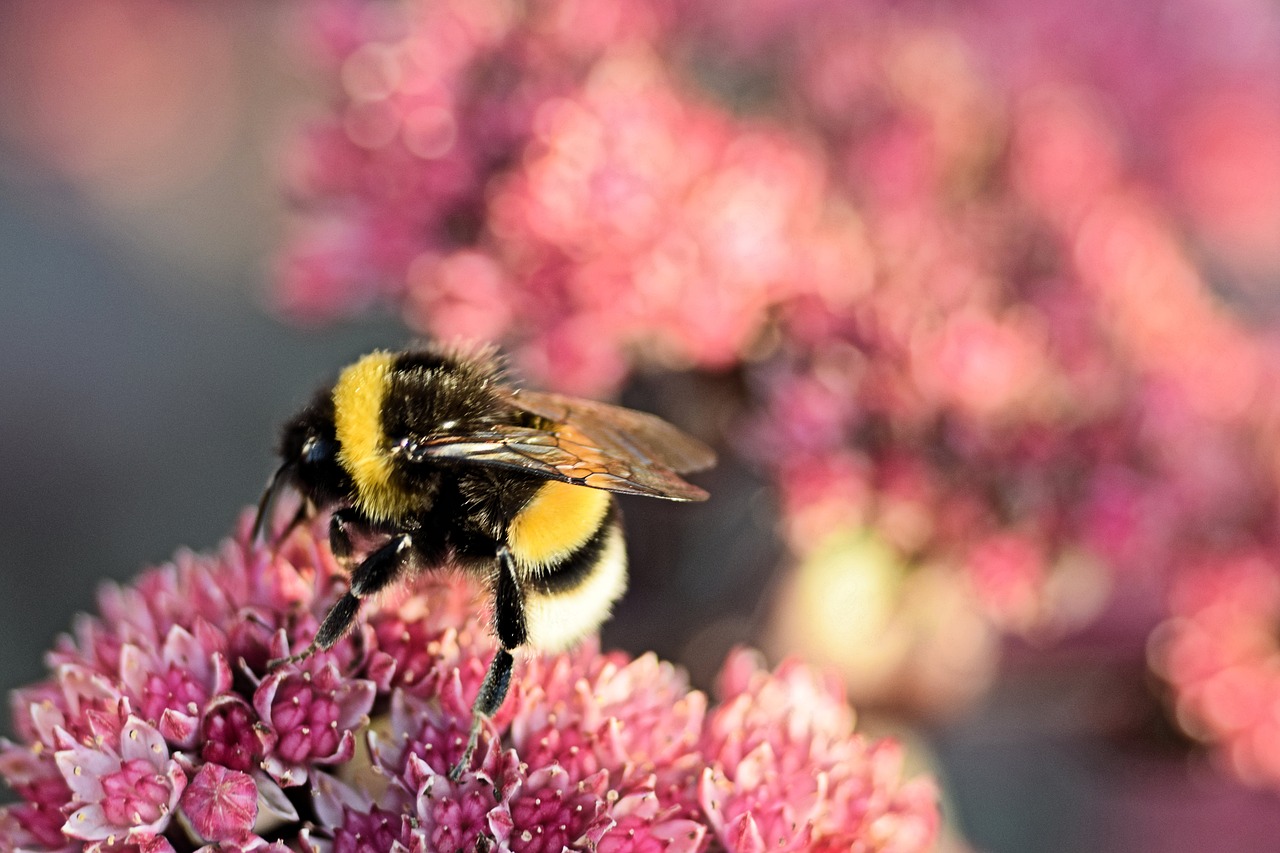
{"x": 306, "y": 511}
{"x": 275, "y": 485}
{"x": 509, "y": 618}
{"x": 493, "y": 690}
{"x": 340, "y": 546}
{"x": 508, "y": 611}
{"x": 373, "y": 574}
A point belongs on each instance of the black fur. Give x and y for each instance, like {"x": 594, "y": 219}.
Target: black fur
{"x": 310, "y": 444}
{"x": 508, "y": 603}
{"x": 336, "y": 623}
{"x": 381, "y": 567}
{"x": 430, "y": 393}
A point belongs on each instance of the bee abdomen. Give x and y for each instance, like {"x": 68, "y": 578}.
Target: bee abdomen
{"x": 569, "y": 599}
{"x": 575, "y": 569}
{"x": 556, "y": 522}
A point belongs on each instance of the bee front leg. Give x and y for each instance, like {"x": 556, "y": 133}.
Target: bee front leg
{"x": 513, "y": 632}
{"x": 306, "y": 511}
{"x": 340, "y": 524}
{"x": 373, "y": 574}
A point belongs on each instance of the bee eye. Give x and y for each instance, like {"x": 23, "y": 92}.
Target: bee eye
{"x": 316, "y": 449}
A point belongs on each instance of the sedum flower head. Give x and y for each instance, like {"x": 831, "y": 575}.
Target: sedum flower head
{"x": 160, "y": 727}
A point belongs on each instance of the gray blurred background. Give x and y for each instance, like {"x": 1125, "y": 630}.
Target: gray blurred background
{"x": 139, "y": 369}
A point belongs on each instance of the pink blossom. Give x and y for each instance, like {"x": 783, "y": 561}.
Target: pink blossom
{"x": 371, "y": 832}
{"x": 456, "y": 815}
{"x": 591, "y": 751}
{"x": 773, "y": 787}
{"x": 310, "y": 712}
{"x": 36, "y": 779}
{"x": 1220, "y": 654}
{"x": 547, "y": 811}
{"x": 585, "y": 714}
{"x": 228, "y": 735}
{"x": 124, "y": 790}
{"x": 221, "y": 804}
{"x": 643, "y": 825}
{"x": 174, "y": 687}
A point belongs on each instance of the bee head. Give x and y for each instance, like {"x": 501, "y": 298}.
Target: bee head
{"x": 309, "y": 461}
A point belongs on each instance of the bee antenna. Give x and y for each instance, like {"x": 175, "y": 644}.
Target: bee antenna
{"x": 274, "y": 486}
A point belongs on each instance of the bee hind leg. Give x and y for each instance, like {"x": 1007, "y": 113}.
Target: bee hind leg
{"x": 373, "y": 574}
{"x": 493, "y": 690}
{"x": 509, "y": 619}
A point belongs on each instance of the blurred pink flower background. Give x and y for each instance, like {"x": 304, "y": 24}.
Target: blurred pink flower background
{"x": 991, "y": 280}
{"x": 984, "y": 292}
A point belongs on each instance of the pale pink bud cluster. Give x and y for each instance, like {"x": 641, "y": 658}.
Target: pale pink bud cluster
{"x": 162, "y": 728}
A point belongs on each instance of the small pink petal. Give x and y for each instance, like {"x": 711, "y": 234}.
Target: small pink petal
{"x": 221, "y": 804}
{"x": 83, "y": 769}
{"x": 140, "y": 740}
{"x": 381, "y": 670}
{"x": 288, "y": 775}
{"x": 265, "y": 695}
{"x": 222, "y": 675}
{"x": 681, "y": 836}
{"x": 134, "y": 666}
{"x": 183, "y": 649}
{"x": 501, "y": 824}
{"x": 81, "y": 683}
{"x": 756, "y": 768}
{"x": 89, "y": 823}
{"x": 46, "y": 719}
{"x": 179, "y": 728}
{"x": 330, "y": 796}
{"x": 355, "y": 699}
{"x": 273, "y": 805}
{"x": 155, "y": 844}
{"x": 20, "y": 766}
{"x": 743, "y": 836}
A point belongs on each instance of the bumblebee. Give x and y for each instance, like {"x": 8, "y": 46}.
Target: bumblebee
{"x": 432, "y": 457}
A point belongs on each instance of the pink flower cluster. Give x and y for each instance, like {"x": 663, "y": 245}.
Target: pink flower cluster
{"x": 1221, "y": 652}
{"x": 991, "y": 276}
{"x": 574, "y": 199}
{"x": 161, "y": 728}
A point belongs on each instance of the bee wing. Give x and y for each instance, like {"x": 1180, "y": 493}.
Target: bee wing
{"x": 623, "y": 433}
{"x": 581, "y": 442}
